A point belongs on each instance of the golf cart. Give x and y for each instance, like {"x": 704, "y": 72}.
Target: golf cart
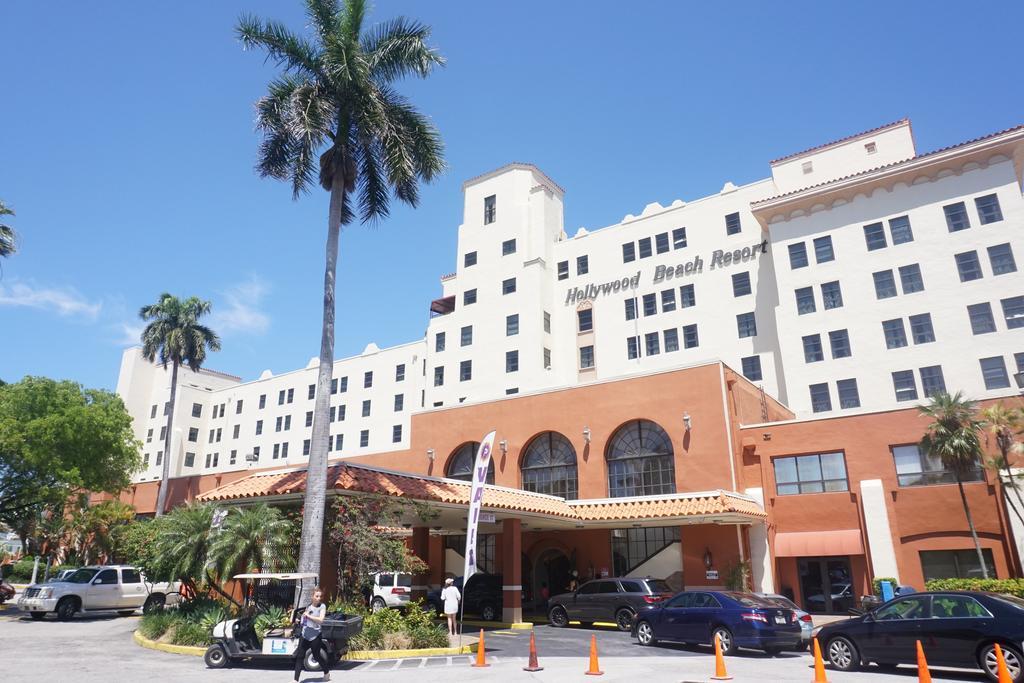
{"x": 236, "y": 639}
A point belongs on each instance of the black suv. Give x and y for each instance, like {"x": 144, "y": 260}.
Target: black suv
{"x": 482, "y": 597}
{"x": 612, "y": 600}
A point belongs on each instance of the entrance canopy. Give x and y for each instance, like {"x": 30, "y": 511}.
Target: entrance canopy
{"x": 819, "y": 543}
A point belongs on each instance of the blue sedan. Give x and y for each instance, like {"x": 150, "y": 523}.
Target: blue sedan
{"x": 738, "y": 619}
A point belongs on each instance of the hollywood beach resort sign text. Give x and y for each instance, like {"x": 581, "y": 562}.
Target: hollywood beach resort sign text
{"x": 719, "y": 259}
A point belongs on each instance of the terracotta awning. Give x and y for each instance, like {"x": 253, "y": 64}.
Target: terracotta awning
{"x": 819, "y": 543}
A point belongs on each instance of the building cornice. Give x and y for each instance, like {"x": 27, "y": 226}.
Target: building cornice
{"x": 516, "y": 166}
{"x": 840, "y": 141}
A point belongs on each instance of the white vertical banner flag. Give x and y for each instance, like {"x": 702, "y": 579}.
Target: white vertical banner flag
{"x": 476, "y": 497}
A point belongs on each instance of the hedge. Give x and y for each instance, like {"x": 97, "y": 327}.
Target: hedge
{"x": 22, "y": 572}
{"x": 1008, "y": 586}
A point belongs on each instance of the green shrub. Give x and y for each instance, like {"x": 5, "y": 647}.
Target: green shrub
{"x": 1007, "y": 586}
{"x": 155, "y": 624}
{"x": 876, "y": 584}
{"x": 22, "y": 571}
{"x": 347, "y": 607}
{"x": 202, "y": 604}
{"x": 209, "y": 618}
{"x": 416, "y": 625}
{"x": 274, "y": 617}
{"x": 190, "y": 633}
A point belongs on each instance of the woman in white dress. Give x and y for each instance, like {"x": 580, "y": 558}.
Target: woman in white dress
{"x": 451, "y": 597}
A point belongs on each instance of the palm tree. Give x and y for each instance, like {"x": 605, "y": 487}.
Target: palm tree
{"x": 175, "y": 334}
{"x": 251, "y": 539}
{"x": 333, "y": 117}
{"x": 7, "y": 245}
{"x": 954, "y": 437}
{"x": 1004, "y": 424}
{"x": 186, "y": 534}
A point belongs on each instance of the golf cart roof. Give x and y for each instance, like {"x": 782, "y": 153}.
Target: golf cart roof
{"x": 280, "y": 577}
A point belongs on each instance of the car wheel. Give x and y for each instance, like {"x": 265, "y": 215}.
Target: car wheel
{"x": 489, "y": 613}
{"x": 377, "y": 605}
{"x": 154, "y": 603}
{"x": 1012, "y": 657}
{"x": 310, "y": 663}
{"x": 557, "y": 617}
{"x": 624, "y": 619}
{"x": 66, "y": 609}
{"x": 215, "y": 657}
{"x": 725, "y": 638}
{"x": 37, "y": 616}
{"x": 645, "y": 634}
{"x": 842, "y": 654}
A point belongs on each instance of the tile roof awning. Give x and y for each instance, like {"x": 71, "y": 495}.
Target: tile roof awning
{"x": 819, "y": 543}
{"x": 711, "y": 506}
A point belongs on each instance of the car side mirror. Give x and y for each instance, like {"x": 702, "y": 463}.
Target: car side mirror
{"x": 868, "y": 618}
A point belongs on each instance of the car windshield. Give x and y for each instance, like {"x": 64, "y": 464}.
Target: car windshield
{"x": 749, "y": 600}
{"x": 781, "y": 601}
{"x": 83, "y": 575}
{"x": 405, "y": 579}
{"x": 659, "y": 586}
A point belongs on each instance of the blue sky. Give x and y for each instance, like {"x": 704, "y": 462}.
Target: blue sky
{"x": 127, "y": 147}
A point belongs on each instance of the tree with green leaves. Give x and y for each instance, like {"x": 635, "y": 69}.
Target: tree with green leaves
{"x": 56, "y": 439}
{"x": 954, "y": 437}
{"x": 1004, "y": 425}
{"x": 253, "y": 538}
{"x": 334, "y": 118}
{"x": 7, "y": 236}
{"x": 174, "y": 334}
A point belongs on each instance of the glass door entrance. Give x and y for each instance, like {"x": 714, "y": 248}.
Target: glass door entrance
{"x": 826, "y": 584}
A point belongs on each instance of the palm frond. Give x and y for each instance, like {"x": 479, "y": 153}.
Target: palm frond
{"x": 398, "y": 48}
{"x": 323, "y": 14}
{"x": 285, "y": 48}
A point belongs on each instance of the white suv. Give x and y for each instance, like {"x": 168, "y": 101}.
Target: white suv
{"x": 96, "y": 589}
{"x": 390, "y": 590}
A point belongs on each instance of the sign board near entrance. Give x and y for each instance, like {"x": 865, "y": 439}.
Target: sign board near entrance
{"x": 487, "y": 517}
{"x": 711, "y": 575}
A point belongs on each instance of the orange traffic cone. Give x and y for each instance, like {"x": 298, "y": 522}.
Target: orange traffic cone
{"x": 594, "y": 669}
{"x": 923, "y": 675}
{"x": 533, "y": 665}
{"x": 819, "y": 665}
{"x": 720, "y": 673}
{"x": 481, "y": 652}
{"x": 1002, "y": 673}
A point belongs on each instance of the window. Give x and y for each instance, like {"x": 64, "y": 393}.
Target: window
{"x": 311, "y": 394}
{"x": 277, "y": 454}
{"x": 152, "y": 412}
{"x": 956, "y": 217}
{"x": 849, "y": 397}
{"x": 513, "y": 390}
{"x": 956, "y": 564}
{"x": 193, "y": 433}
{"x": 512, "y": 325}
{"x": 465, "y": 370}
{"x": 988, "y": 209}
{"x": 650, "y": 304}
{"x": 547, "y": 320}
{"x": 238, "y": 407}
{"x": 821, "y": 401}
{"x": 399, "y": 402}
{"x": 732, "y": 224}
{"x": 256, "y": 452}
{"x": 339, "y": 440}
{"x": 690, "y": 336}
{"x": 807, "y": 167}
{"x": 1018, "y": 358}
{"x": 582, "y": 265}
{"x": 687, "y": 297}
{"x": 993, "y": 371}
{"x": 968, "y": 265}
{"x": 585, "y": 320}
{"x": 508, "y": 286}
{"x": 916, "y": 468}
{"x": 831, "y": 295}
{"x": 640, "y": 461}
{"x": 671, "y": 340}
{"x": 797, "y": 255}
{"x": 586, "y": 357}
{"x": 305, "y": 446}
{"x": 159, "y": 458}
{"x": 885, "y": 284}
{"x": 213, "y": 432}
{"x": 263, "y": 401}
{"x": 823, "y": 251}
{"x": 932, "y": 381}
{"x": 661, "y": 242}
{"x": 149, "y": 436}
{"x": 190, "y": 460}
{"x": 280, "y": 397}
{"x": 333, "y": 414}
{"x": 818, "y": 473}
{"x": 547, "y": 359}
{"x": 334, "y": 386}
{"x": 679, "y": 238}
{"x": 628, "y": 252}
{"x": 466, "y": 335}
{"x": 233, "y": 458}
{"x": 469, "y": 297}
{"x": 899, "y": 227}
{"x": 752, "y": 368}
{"x": 309, "y": 418}
{"x": 746, "y": 326}
{"x": 197, "y": 410}
{"x": 741, "y": 284}
{"x": 895, "y": 335}
{"x": 632, "y": 348}
{"x": 235, "y": 431}
{"x": 631, "y": 309}
{"x": 396, "y": 434}
{"x": 439, "y": 376}
{"x": 904, "y": 385}
{"x": 277, "y": 426}
{"x": 400, "y": 372}
{"x": 921, "y": 328}
{"x": 549, "y": 466}
{"x": 1001, "y": 258}
{"x": 652, "y": 344}
{"x": 644, "y": 247}
{"x": 439, "y": 341}
{"x": 343, "y": 385}
{"x": 874, "y": 236}
{"x": 982, "y": 320}
{"x": 341, "y": 413}
{"x": 367, "y": 379}
{"x": 668, "y": 300}
{"x": 1013, "y": 311}
{"x": 910, "y": 278}
{"x": 633, "y": 547}
{"x": 512, "y": 361}
{"x": 812, "y": 348}
{"x": 490, "y": 209}
{"x": 461, "y": 463}
{"x": 366, "y": 408}
{"x": 839, "y": 340}
{"x": 364, "y": 438}
{"x": 870, "y": 147}
{"x": 508, "y": 247}
{"x": 563, "y": 270}
{"x": 469, "y": 259}
{"x": 291, "y": 399}
{"x": 259, "y": 427}
{"x": 805, "y": 300}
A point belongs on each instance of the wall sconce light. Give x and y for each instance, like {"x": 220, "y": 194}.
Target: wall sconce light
{"x": 430, "y": 454}
{"x": 709, "y": 560}
{"x": 503, "y": 445}
{"x": 687, "y": 422}
{"x": 586, "y": 435}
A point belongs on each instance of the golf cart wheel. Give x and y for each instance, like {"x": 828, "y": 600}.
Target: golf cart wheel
{"x": 66, "y": 609}
{"x": 624, "y": 619}
{"x": 215, "y": 657}
{"x": 37, "y": 616}
{"x": 558, "y": 617}
{"x": 309, "y": 663}
{"x": 377, "y": 605}
{"x": 154, "y": 603}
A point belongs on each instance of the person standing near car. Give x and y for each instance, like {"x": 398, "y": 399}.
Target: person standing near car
{"x": 451, "y": 597}
{"x": 309, "y": 636}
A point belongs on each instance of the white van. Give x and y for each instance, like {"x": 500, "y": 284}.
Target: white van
{"x": 390, "y": 589}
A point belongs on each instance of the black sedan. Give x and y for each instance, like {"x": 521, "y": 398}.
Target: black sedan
{"x": 958, "y": 629}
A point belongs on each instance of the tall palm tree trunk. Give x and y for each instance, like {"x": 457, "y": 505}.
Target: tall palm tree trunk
{"x": 161, "y": 497}
{"x": 316, "y": 472}
{"x": 970, "y": 524}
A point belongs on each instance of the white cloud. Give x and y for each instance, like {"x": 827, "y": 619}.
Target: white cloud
{"x": 64, "y": 301}
{"x": 130, "y": 334}
{"x": 240, "y": 310}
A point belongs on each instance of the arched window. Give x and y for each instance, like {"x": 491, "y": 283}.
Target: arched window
{"x": 640, "y": 461}
{"x": 549, "y": 466}
{"x": 460, "y": 464}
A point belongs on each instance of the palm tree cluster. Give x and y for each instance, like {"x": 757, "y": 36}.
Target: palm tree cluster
{"x": 7, "y": 235}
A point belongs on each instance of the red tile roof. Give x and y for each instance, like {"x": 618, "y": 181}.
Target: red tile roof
{"x": 840, "y": 140}
{"x": 710, "y": 503}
